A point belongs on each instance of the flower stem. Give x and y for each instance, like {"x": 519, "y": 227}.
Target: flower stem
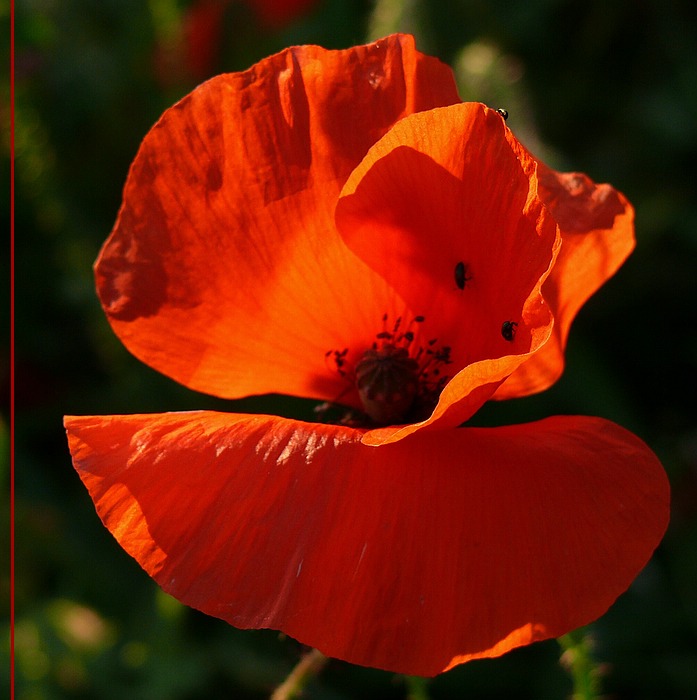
{"x": 577, "y": 658}
{"x": 417, "y": 687}
{"x": 306, "y": 669}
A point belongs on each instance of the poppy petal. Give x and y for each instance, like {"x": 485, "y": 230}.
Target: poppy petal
{"x": 442, "y": 189}
{"x": 411, "y": 557}
{"x": 597, "y": 229}
{"x": 224, "y": 270}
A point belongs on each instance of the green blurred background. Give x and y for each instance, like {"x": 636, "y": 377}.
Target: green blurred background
{"x": 605, "y": 87}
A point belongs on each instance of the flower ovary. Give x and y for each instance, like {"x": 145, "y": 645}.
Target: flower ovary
{"x": 387, "y": 382}
{"x": 395, "y": 385}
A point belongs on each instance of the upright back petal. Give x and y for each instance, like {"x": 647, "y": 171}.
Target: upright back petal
{"x": 224, "y": 269}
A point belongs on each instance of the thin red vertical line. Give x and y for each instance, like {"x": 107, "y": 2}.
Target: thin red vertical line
{"x": 12, "y": 349}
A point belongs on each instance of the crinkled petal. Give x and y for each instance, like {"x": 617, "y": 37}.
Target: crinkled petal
{"x": 412, "y": 557}
{"x": 597, "y": 229}
{"x": 224, "y": 269}
{"x": 445, "y": 188}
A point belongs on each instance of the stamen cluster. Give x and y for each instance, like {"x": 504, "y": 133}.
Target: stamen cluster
{"x": 396, "y": 382}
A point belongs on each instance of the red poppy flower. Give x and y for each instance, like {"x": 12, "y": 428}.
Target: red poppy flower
{"x": 338, "y": 225}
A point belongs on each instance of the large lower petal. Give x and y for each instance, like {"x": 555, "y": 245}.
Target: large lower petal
{"x": 412, "y": 557}
{"x": 224, "y": 269}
